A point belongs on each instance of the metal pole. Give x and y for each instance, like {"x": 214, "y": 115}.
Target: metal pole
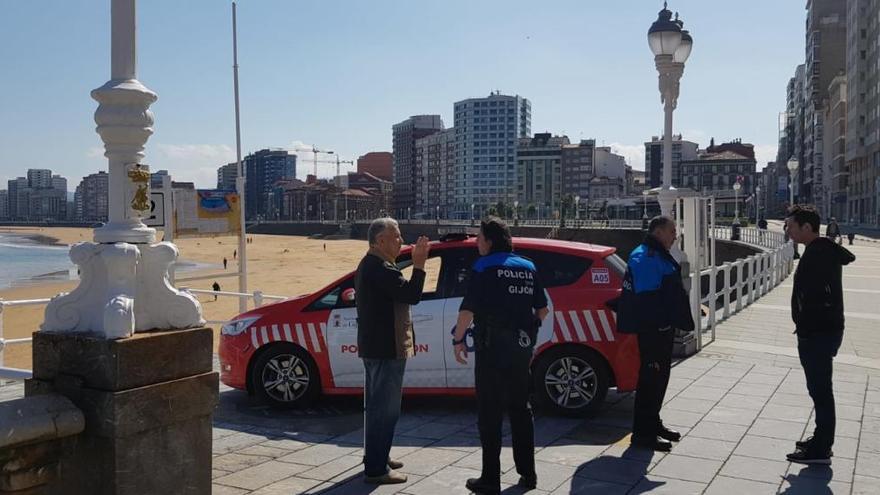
{"x": 240, "y": 180}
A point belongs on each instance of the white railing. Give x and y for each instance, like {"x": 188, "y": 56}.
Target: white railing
{"x": 8, "y": 373}
{"x": 569, "y": 222}
{"x": 745, "y": 280}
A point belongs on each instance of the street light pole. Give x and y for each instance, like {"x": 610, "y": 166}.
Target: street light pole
{"x": 671, "y": 46}
{"x": 736, "y": 187}
{"x": 792, "y": 173}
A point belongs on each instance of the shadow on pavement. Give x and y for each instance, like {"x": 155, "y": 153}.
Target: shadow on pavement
{"x": 810, "y": 479}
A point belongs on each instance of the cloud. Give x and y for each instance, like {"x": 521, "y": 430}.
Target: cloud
{"x": 196, "y": 163}
{"x": 634, "y": 154}
{"x": 765, "y": 153}
{"x": 95, "y": 152}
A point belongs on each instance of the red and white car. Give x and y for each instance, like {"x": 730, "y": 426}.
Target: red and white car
{"x": 290, "y": 352}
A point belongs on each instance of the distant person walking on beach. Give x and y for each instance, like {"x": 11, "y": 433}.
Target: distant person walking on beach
{"x": 216, "y": 288}
{"x": 235, "y": 254}
{"x": 817, "y": 312}
{"x": 224, "y": 263}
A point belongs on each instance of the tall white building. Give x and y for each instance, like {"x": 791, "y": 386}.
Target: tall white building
{"x": 608, "y": 164}
{"x": 39, "y": 178}
{"x": 59, "y": 183}
{"x": 486, "y": 136}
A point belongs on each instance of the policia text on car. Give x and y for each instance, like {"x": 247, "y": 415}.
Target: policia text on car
{"x": 506, "y": 302}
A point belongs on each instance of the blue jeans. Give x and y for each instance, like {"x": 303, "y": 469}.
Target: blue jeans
{"x": 383, "y": 384}
{"x": 817, "y": 353}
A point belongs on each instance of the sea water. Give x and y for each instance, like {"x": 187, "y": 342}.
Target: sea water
{"x": 23, "y": 260}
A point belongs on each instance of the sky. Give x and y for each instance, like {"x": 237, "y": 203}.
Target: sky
{"x": 338, "y": 74}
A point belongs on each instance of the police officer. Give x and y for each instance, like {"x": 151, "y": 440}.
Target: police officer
{"x": 506, "y": 303}
{"x": 652, "y": 305}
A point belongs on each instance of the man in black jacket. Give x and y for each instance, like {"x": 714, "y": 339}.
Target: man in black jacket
{"x": 817, "y": 311}
{"x": 653, "y": 304}
{"x": 385, "y": 340}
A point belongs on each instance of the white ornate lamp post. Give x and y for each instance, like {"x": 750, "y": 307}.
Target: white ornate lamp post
{"x": 577, "y": 211}
{"x": 792, "y": 173}
{"x": 671, "y": 47}
{"x": 516, "y": 213}
{"x": 757, "y": 203}
{"x": 124, "y": 285}
{"x": 472, "y": 213}
{"x": 736, "y": 188}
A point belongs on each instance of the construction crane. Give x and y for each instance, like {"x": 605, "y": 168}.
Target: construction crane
{"x": 314, "y": 150}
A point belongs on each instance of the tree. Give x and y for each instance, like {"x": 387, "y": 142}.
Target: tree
{"x": 565, "y": 207}
{"x": 530, "y": 210}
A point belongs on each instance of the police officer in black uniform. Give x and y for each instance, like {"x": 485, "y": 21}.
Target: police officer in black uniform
{"x": 506, "y": 303}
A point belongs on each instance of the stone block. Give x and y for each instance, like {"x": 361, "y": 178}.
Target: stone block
{"x": 143, "y": 359}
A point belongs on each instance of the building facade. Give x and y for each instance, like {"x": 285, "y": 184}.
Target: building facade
{"x": 836, "y": 177}
{"x": 226, "y": 176}
{"x": 407, "y": 176}
{"x": 715, "y": 175}
{"x": 92, "y": 198}
{"x": 863, "y": 112}
{"x": 263, "y": 169}
{"x": 435, "y": 162}
{"x": 487, "y": 131}
{"x": 4, "y": 204}
{"x": 39, "y": 178}
{"x": 578, "y": 168}
{"x": 825, "y": 59}
{"x": 681, "y": 151}
{"x": 539, "y": 172}
{"x": 377, "y": 163}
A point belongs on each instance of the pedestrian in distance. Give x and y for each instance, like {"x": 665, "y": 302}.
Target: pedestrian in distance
{"x": 851, "y": 236}
{"x": 216, "y": 288}
{"x": 762, "y": 227}
{"x": 832, "y": 231}
{"x": 506, "y": 302}
{"x": 385, "y": 340}
{"x": 224, "y": 262}
{"x": 653, "y": 305}
{"x": 235, "y": 254}
{"x": 817, "y": 312}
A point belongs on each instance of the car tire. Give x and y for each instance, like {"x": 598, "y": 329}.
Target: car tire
{"x": 284, "y": 375}
{"x": 570, "y": 381}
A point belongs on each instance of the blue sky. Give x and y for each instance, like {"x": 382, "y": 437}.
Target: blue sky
{"x": 339, "y": 74}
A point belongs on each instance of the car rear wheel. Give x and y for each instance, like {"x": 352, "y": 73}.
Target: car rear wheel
{"x": 571, "y": 381}
{"x": 285, "y": 376}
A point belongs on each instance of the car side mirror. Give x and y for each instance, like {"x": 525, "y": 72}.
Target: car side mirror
{"x": 348, "y": 295}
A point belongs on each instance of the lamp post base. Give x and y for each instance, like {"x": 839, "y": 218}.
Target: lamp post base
{"x": 124, "y": 288}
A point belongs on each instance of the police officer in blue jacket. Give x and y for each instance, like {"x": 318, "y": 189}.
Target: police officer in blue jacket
{"x": 506, "y": 302}
{"x": 653, "y": 304}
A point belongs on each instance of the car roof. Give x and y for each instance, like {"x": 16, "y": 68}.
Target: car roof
{"x": 553, "y": 245}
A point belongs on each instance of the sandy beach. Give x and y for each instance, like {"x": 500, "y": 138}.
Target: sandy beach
{"x": 277, "y": 265}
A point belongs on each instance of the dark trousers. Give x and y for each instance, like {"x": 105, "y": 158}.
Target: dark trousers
{"x": 655, "y": 352}
{"x": 383, "y": 386}
{"x": 817, "y": 353}
{"x": 499, "y": 389}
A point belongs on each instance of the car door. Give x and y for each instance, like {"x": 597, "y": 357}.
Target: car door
{"x": 426, "y": 368}
{"x": 341, "y": 334}
{"x": 457, "y": 264}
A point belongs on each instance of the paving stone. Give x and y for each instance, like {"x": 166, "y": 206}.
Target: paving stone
{"x": 701, "y": 406}
{"x": 724, "y": 383}
{"x": 847, "y": 428}
{"x": 356, "y": 486}
{"x": 433, "y": 430}
{"x": 334, "y": 468}
{"x": 754, "y": 469}
{"x": 786, "y": 413}
{"x": 727, "y": 415}
{"x": 468, "y": 443}
{"x": 658, "y": 484}
{"x": 866, "y": 463}
{"x": 761, "y": 378}
{"x": 593, "y": 434}
{"x": 294, "y": 484}
{"x": 475, "y": 460}
{"x": 739, "y": 401}
{"x": 839, "y": 470}
{"x": 718, "y": 431}
{"x": 753, "y": 390}
{"x": 627, "y": 451}
{"x": 798, "y": 485}
{"x": 853, "y": 413}
{"x": 430, "y": 460}
{"x": 236, "y": 462}
{"x": 674, "y": 417}
{"x": 261, "y": 450}
{"x": 216, "y": 473}
{"x": 864, "y": 485}
{"x": 614, "y": 469}
{"x": 236, "y": 441}
{"x": 448, "y": 481}
{"x": 550, "y": 476}
{"x": 261, "y": 475}
{"x": 227, "y": 490}
{"x": 318, "y": 454}
{"x": 586, "y": 486}
{"x": 869, "y": 443}
{"x": 845, "y": 447}
{"x": 687, "y": 468}
{"x": 705, "y": 393}
{"x": 723, "y": 485}
{"x": 774, "y": 428}
{"x": 785, "y": 399}
{"x": 764, "y": 448}
{"x": 569, "y": 454}
{"x": 704, "y": 448}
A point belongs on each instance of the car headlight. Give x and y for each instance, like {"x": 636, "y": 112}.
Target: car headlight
{"x": 236, "y": 327}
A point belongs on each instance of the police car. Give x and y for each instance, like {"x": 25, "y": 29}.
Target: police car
{"x": 290, "y": 352}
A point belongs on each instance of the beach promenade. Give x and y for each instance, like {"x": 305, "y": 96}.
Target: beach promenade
{"x": 740, "y": 403}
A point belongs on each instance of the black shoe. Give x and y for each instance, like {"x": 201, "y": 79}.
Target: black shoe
{"x": 654, "y": 443}
{"x": 666, "y": 433}
{"x": 805, "y": 444}
{"x": 529, "y": 482}
{"x": 478, "y": 486}
{"x": 810, "y": 456}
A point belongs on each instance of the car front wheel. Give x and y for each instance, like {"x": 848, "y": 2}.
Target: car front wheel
{"x": 285, "y": 376}
{"x": 571, "y": 381}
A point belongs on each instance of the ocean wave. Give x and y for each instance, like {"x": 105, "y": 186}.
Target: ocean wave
{"x": 32, "y": 245}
